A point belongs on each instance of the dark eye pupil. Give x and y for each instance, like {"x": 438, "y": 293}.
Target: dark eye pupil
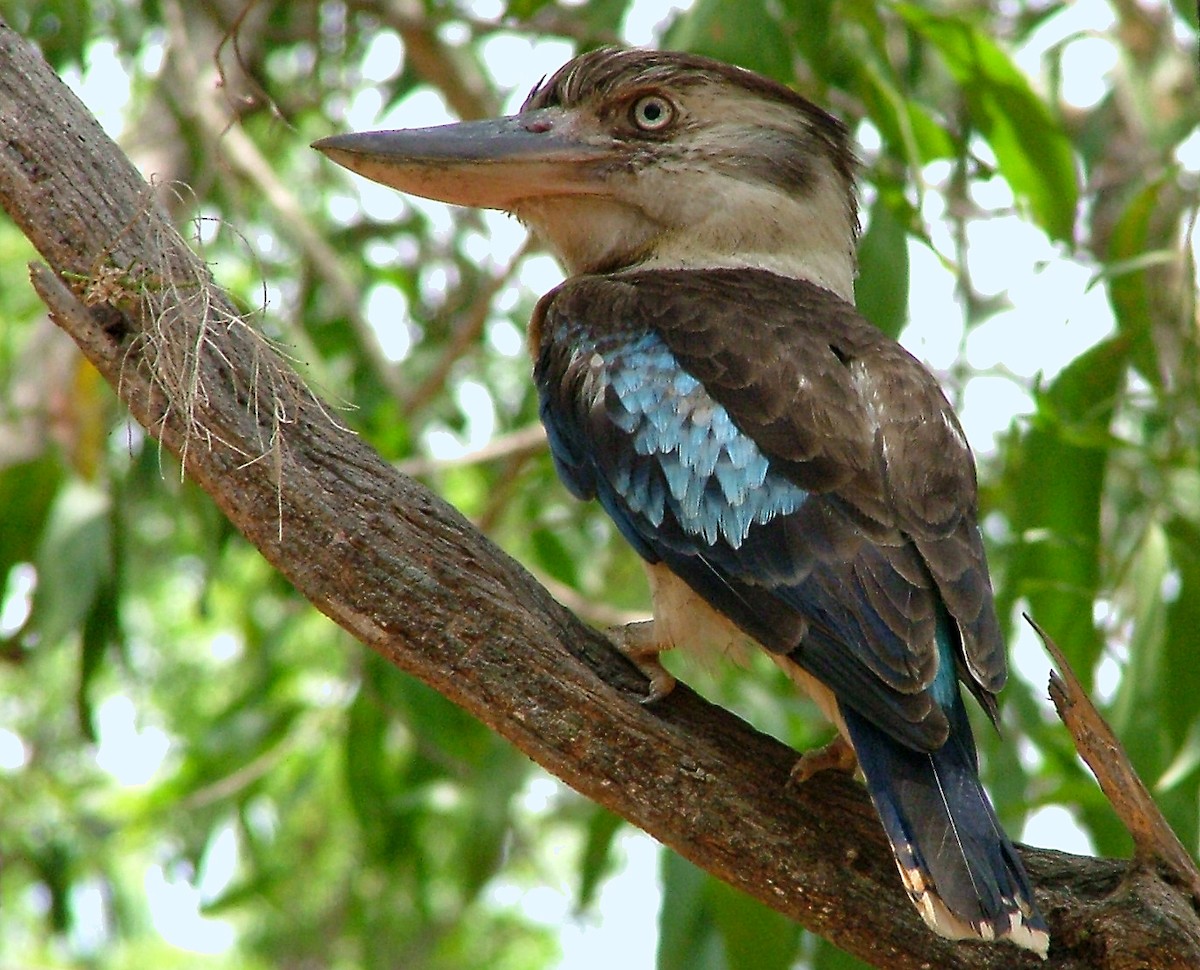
{"x": 652, "y": 113}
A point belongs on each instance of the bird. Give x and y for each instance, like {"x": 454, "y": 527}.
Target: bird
{"x": 793, "y": 480}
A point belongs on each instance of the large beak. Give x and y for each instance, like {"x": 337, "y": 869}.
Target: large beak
{"x": 485, "y": 164}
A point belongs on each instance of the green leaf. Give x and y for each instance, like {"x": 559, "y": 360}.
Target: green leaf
{"x": 1135, "y": 716}
{"x": 1179, "y": 688}
{"x": 686, "y": 937}
{"x": 1185, "y": 764}
{"x": 488, "y": 822}
{"x": 60, "y": 28}
{"x": 1128, "y": 292}
{"x": 1050, "y": 490}
{"x": 439, "y": 725}
{"x": 553, "y": 557}
{"x": 740, "y": 33}
{"x": 368, "y": 770}
{"x": 809, "y": 28}
{"x": 524, "y": 9}
{"x": 27, "y": 491}
{"x": 1083, "y": 397}
{"x": 101, "y": 628}
{"x": 881, "y": 290}
{"x": 755, "y": 937}
{"x": 1188, "y": 13}
{"x": 73, "y": 560}
{"x": 909, "y": 132}
{"x": 599, "y": 18}
{"x": 830, "y": 957}
{"x": 706, "y": 924}
{"x": 600, "y": 832}
{"x": 1032, "y": 150}
{"x": 53, "y": 862}
{"x": 1183, "y": 611}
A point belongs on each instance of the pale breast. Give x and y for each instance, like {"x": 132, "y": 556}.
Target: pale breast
{"x": 683, "y": 619}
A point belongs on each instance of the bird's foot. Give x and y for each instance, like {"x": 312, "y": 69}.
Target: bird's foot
{"x": 637, "y": 643}
{"x": 836, "y": 754}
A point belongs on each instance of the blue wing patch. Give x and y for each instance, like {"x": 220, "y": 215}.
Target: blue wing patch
{"x": 717, "y": 481}
{"x": 673, "y": 451}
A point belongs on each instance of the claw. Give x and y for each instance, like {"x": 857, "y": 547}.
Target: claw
{"x": 662, "y": 682}
{"x": 637, "y": 643}
{"x": 837, "y": 754}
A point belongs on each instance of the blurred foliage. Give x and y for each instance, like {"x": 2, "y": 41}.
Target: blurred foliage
{"x": 176, "y": 723}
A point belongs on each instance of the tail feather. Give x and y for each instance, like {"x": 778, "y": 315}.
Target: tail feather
{"x": 959, "y": 867}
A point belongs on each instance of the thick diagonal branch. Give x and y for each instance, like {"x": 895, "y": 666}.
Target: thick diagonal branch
{"x": 409, "y": 577}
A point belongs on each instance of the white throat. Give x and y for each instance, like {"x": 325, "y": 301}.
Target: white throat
{"x": 690, "y": 219}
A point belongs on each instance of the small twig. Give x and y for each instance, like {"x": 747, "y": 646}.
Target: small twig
{"x": 471, "y": 321}
{"x": 250, "y": 164}
{"x": 523, "y": 441}
{"x": 598, "y": 614}
{"x": 1153, "y": 839}
{"x": 438, "y": 63}
{"x": 68, "y": 310}
{"x": 258, "y": 95}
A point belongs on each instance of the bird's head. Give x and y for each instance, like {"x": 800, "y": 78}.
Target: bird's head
{"x": 645, "y": 158}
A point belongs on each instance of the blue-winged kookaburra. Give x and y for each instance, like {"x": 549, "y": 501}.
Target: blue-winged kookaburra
{"x": 791, "y": 477}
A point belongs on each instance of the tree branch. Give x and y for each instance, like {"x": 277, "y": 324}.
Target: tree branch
{"x": 1155, "y": 844}
{"x": 409, "y": 577}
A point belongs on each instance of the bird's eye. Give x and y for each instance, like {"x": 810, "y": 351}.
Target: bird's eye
{"x": 652, "y": 112}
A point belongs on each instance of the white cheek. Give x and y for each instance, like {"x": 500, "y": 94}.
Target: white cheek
{"x": 587, "y": 232}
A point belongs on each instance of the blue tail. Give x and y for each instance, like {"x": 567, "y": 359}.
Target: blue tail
{"x": 960, "y": 869}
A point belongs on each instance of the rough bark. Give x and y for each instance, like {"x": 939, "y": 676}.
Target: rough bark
{"x": 409, "y": 577}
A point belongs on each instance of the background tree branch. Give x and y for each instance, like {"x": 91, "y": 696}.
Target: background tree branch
{"x": 409, "y": 577}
